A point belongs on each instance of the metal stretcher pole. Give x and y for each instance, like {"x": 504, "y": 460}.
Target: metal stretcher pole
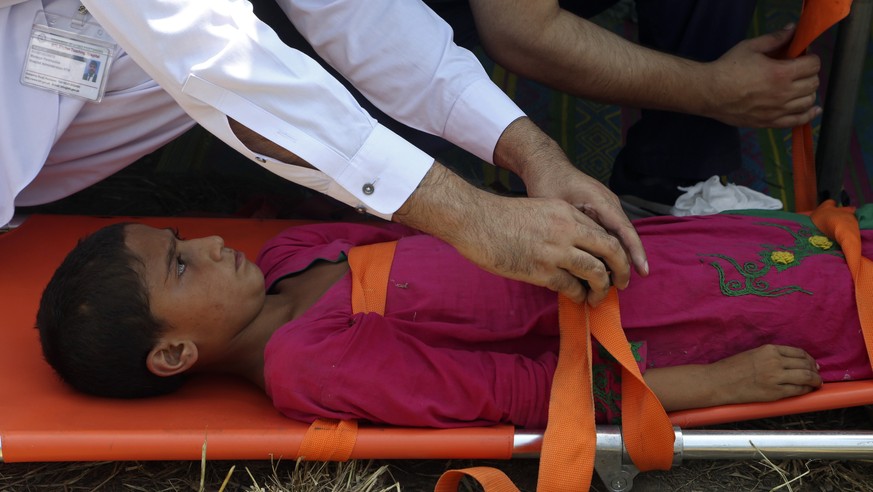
{"x": 839, "y": 103}
{"x": 735, "y": 445}
{"x": 615, "y": 468}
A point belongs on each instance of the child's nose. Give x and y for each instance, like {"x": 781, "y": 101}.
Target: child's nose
{"x": 216, "y": 247}
{"x": 212, "y": 246}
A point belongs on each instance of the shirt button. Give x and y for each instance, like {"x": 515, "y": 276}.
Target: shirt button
{"x": 361, "y": 209}
{"x": 260, "y": 159}
{"x": 368, "y": 189}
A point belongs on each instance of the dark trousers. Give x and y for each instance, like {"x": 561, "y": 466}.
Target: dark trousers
{"x": 682, "y": 146}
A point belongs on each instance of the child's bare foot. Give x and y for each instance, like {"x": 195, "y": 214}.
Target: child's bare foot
{"x": 766, "y": 373}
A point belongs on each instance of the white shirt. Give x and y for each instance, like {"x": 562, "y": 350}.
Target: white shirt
{"x": 52, "y": 146}
{"x": 216, "y": 58}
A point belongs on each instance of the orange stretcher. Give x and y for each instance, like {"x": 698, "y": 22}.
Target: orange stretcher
{"x": 43, "y": 420}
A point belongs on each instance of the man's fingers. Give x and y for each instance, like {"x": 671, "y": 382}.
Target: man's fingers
{"x": 806, "y": 85}
{"x": 801, "y": 103}
{"x": 591, "y": 287}
{"x": 621, "y": 234}
{"x": 570, "y": 286}
{"x": 805, "y": 66}
{"x": 601, "y": 261}
{"x": 792, "y": 120}
{"x": 772, "y": 42}
{"x": 595, "y": 297}
{"x": 593, "y": 271}
{"x": 633, "y": 246}
{"x": 590, "y": 264}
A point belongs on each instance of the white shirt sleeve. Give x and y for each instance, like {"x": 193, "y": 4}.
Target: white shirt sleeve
{"x": 216, "y": 58}
{"x": 401, "y": 56}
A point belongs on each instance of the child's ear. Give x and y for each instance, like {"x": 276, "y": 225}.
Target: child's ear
{"x": 171, "y": 358}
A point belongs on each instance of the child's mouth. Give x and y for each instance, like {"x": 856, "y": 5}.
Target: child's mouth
{"x": 239, "y": 258}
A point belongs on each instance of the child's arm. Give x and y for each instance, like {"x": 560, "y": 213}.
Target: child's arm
{"x": 766, "y": 373}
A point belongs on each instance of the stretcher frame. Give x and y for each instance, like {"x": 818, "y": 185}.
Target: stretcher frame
{"x": 41, "y": 420}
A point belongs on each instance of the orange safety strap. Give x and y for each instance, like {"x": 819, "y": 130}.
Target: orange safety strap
{"x": 330, "y": 439}
{"x": 646, "y": 428}
{"x": 841, "y": 225}
{"x": 371, "y": 267}
{"x": 816, "y": 17}
{"x": 571, "y": 408}
{"x": 570, "y": 439}
{"x": 491, "y": 480}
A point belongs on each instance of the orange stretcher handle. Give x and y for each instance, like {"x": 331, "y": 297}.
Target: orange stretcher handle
{"x": 816, "y": 17}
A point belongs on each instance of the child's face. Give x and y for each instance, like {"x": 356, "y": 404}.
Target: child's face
{"x": 198, "y": 287}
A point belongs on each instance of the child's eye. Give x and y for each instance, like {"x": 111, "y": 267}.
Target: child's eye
{"x": 180, "y": 266}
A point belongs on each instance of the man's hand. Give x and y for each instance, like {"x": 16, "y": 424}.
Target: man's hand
{"x": 753, "y": 87}
{"x": 547, "y": 173}
{"x": 570, "y": 236}
{"x": 602, "y": 208}
{"x": 546, "y": 242}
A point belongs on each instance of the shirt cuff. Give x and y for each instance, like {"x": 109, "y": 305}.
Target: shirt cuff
{"x": 377, "y": 179}
{"x": 479, "y": 118}
{"x": 385, "y": 172}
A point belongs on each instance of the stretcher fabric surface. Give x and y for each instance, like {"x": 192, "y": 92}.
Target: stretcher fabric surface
{"x": 43, "y": 420}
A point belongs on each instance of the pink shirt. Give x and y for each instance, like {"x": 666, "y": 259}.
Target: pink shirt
{"x": 459, "y": 346}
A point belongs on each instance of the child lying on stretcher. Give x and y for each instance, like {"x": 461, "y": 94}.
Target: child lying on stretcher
{"x": 736, "y": 309}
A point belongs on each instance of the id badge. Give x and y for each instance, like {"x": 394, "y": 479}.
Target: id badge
{"x": 68, "y": 55}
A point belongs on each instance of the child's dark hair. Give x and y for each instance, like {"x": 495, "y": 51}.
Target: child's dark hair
{"x": 95, "y": 323}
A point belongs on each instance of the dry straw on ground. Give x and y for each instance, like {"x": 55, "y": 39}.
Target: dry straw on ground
{"x": 353, "y": 476}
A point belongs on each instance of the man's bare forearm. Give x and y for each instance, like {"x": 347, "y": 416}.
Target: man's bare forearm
{"x": 540, "y": 41}
{"x": 443, "y": 205}
{"x": 258, "y": 143}
{"x": 747, "y": 86}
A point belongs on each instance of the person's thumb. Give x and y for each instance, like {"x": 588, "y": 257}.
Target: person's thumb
{"x": 774, "y": 42}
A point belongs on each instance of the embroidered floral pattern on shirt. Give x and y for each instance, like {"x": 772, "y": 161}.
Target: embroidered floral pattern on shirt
{"x": 808, "y": 241}
{"x": 783, "y": 257}
{"x": 821, "y": 242}
{"x": 606, "y": 382}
